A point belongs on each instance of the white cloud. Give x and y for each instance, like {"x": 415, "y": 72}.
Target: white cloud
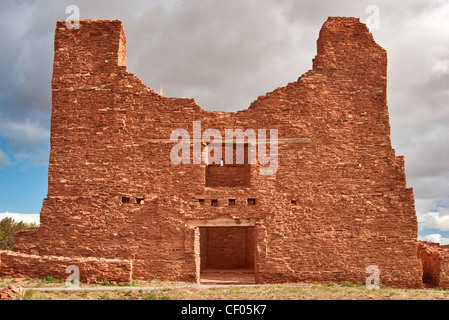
{"x": 435, "y": 237}
{"x": 435, "y": 220}
{"x": 17, "y": 217}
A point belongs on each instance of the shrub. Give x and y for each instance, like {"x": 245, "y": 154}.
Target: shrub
{"x": 7, "y": 228}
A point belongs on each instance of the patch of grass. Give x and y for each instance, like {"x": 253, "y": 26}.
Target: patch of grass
{"x": 107, "y": 283}
{"x": 324, "y": 288}
{"x": 134, "y": 283}
{"x": 345, "y": 284}
{"x": 49, "y": 279}
{"x": 29, "y": 295}
{"x": 105, "y": 296}
{"x": 294, "y": 289}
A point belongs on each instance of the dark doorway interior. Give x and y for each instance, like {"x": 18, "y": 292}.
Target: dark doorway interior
{"x": 227, "y": 254}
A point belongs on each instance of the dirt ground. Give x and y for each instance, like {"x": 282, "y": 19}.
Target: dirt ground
{"x": 51, "y": 289}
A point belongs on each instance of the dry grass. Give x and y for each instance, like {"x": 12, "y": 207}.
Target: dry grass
{"x": 165, "y": 290}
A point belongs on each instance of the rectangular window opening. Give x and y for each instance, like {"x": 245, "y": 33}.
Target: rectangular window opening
{"x": 251, "y": 202}
{"x": 223, "y": 174}
{"x": 214, "y": 203}
{"x": 126, "y": 199}
{"x": 232, "y": 202}
{"x": 140, "y": 200}
{"x": 201, "y": 202}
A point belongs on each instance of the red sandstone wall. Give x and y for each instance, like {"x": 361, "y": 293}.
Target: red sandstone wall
{"x": 91, "y": 270}
{"x": 227, "y": 248}
{"x": 352, "y": 208}
{"x": 435, "y": 261}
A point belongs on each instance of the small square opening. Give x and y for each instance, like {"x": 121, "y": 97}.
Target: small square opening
{"x": 294, "y": 202}
{"x": 126, "y": 199}
{"x": 232, "y": 202}
{"x": 251, "y": 202}
{"x": 201, "y": 202}
{"x": 214, "y": 203}
{"x": 140, "y": 200}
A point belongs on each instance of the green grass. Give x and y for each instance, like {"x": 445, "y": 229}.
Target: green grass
{"x": 49, "y": 279}
{"x": 107, "y": 283}
{"x": 345, "y": 284}
{"x": 134, "y": 283}
{"x": 29, "y": 294}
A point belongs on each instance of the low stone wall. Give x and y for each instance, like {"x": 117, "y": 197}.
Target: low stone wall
{"x": 435, "y": 261}
{"x": 91, "y": 270}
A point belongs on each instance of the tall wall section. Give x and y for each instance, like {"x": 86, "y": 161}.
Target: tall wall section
{"x": 337, "y": 203}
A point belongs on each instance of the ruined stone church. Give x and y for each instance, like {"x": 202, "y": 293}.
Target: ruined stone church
{"x": 119, "y": 209}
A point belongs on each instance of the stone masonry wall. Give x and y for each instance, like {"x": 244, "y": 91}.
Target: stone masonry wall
{"x": 92, "y": 270}
{"x": 435, "y": 264}
{"x": 227, "y": 248}
{"x": 337, "y": 203}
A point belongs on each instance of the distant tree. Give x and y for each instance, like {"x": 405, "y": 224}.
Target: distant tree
{"x": 7, "y": 228}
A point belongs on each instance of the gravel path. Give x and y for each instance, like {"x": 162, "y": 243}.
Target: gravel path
{"x": 113, "y": 288}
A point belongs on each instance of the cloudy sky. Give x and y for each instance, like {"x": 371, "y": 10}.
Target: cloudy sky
{"x": 207, "y": 49}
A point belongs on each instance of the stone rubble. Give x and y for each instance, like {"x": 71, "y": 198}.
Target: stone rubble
{"x": 12, "y": 293}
